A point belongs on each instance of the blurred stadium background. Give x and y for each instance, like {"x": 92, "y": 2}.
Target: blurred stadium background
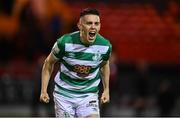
{"x": 145, "y": 64}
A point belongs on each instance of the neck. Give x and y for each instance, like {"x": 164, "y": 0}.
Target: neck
{"x": 82, "y": 38}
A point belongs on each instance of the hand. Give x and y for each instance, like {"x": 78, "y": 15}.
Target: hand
{"x": 105, "y": 97}
{"x": 44, "y": 97}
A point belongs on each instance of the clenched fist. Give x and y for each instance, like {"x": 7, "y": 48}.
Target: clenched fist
{"x": 105, "y": 97}
{"x": 44, "y": 97}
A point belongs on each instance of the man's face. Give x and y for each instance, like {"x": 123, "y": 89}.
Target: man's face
{"x": 89, "y": 26}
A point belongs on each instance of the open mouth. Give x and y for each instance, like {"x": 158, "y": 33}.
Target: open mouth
{"x": 92, "y": 34}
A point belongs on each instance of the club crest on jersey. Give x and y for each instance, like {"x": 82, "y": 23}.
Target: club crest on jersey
{"x": 96, "y": 57}
{"x": 72, "y": 55}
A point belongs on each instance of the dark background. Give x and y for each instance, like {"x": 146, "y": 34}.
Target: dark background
{"x": 145, "y": 64}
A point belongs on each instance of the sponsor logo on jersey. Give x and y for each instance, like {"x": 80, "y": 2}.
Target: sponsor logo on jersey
{"x": 82, "y": 70}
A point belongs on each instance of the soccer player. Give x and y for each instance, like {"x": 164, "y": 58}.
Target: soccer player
{"x": 84, "y": 57}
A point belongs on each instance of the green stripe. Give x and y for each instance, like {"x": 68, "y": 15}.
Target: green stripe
{"x": 78, "y": 82}
{"x": 63, "y": 94}
{"x": 83, "y": 55}
{"x": 69, "y": 67}
{"x": 67, "y": 94}
{"x": 91, "y": 90}
{"x": 80, "y": 55}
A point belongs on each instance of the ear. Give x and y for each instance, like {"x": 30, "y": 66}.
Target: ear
{"x": 79, "y": 25}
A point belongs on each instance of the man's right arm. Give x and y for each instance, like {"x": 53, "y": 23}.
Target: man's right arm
{"x": 47, "y": 70}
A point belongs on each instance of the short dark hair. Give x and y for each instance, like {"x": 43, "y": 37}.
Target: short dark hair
{"x": 88, "y": 11}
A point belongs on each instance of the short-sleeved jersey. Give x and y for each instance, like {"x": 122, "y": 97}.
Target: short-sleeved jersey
{"x": 79, "y": 72}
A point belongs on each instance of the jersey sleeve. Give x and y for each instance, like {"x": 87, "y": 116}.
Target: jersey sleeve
{"x": 58, "y": 48}
{"x": 108, "y": 54}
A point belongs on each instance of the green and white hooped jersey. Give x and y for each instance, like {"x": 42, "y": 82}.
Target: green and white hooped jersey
{"x": 79, "y": 72}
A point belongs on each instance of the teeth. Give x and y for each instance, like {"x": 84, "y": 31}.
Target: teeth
{"x": 92, "y": 32}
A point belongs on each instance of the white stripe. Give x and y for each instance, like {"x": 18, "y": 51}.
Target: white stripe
{"x": 95, "y": 84}
{"x": 82, "y": 62}
{"x": 73, "y": 75}
{"x": 69, "y": 47}
{"x": 69, "y": 87}
{"x": 75, "y": 96}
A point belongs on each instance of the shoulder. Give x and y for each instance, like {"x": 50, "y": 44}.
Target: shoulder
{"x": 67, "y": 38}
{"x": 103, "y": 41}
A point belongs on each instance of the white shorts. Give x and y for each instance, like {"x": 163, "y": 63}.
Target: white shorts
{"x": 79, "y": 107}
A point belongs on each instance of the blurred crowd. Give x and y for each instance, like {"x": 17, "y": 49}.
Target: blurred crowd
{"x": 28, "y": 30}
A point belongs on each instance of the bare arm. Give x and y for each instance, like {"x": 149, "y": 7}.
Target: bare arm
{"x": 105, "y": 80}
{"x": 46, "y": 74}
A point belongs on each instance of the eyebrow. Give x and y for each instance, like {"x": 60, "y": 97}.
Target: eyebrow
{"x": 92, "y": 21}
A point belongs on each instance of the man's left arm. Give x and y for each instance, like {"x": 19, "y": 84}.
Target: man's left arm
{"x": 105, "y": 70}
